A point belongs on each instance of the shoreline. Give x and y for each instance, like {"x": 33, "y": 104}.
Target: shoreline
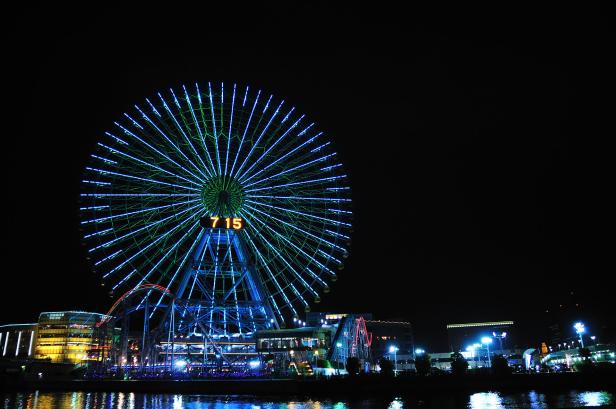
{"x": 361, "y": 385}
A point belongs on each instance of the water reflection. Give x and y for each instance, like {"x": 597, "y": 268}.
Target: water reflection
{"x": 595, "y": 398}
{"x": 483, "y": 400}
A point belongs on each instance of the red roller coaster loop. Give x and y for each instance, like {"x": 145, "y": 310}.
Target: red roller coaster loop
{"x": 131, "y": 292}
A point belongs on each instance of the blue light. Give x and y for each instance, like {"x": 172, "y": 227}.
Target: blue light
{"x": 254, "y": 364}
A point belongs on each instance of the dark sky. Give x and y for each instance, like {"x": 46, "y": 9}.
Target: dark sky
{"x": 480, "y": 134}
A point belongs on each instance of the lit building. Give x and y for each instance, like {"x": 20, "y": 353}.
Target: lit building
{"x": 67, "y": 336}
{"x": 568, "y": 358}
{"x": 17, "y": 340}
{"x": 314, "y": 318}
{"x": 463, "y": 335}
{"x": 301, "y": 349}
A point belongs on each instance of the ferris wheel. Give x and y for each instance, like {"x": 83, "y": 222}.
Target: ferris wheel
{"x": 226, "y": 196}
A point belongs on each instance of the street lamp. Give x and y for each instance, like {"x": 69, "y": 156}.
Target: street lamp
{"x": 580, "y": 329}
{"x": 500, "y": 338}
{"x": 419, "y": 351}
{"x": 487, "y": 341}
{"x": 392, "y": 350}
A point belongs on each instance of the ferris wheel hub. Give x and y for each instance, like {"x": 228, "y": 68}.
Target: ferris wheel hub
{"x": 222, "y": 196}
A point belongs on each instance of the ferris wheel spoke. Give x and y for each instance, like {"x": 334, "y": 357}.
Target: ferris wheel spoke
{"x": 179, "y": 268}
{"x": 140, "y": 140}
{"x": 295, "y": 154}
{"x": 301, "y": 198}
{"x": 209, "y": 85}
{"x": 284, "y": 259}
{"x": 149, "y": 209}
{"x": 300, "y": 183}
{"x": 310, "y": 167}
{"x": 164, "y": 257}
{"x": 186, "y": 124}
{"x": 229, "y": 134}
{"x": 126, "y": 155}
{"x": 133, "y": 232}
{"x": 287, "y": 155}
{"x": 293, "y": 169}
{"x": 273, "y": 145}
{"x": 308, "y": 257}
{"x": 181, "y": 130}
{"x": 239, "y": 149}
{"x": 166, "y": 138}
{"x": 295, "y": 227}
{"x": 205, "y": 130}
{"x": 256, "y": 144}
{"x": 143, "y": 194}
{"x": 271, "y": 274}
{"x": 103, "y": 172}
{"x": 313, "y": 216}
{"x": 144, "y": 250}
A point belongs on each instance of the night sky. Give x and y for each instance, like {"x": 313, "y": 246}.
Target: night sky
{"x": 476, "y": 141}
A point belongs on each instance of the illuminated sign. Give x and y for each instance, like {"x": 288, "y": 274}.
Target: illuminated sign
{"x": 217, "y": 222}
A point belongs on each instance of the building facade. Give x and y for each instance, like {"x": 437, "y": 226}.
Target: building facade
{"x": 67, "y": 336}
{"x": 17, "y": 340}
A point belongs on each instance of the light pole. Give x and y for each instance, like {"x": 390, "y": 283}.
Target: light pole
{"x": 500, "y": 338}
{"x": 487, "y": 341}
{"x": 339, "y": 345}
{"x": 471, "y": 349}
{"x": 477, "y": 347}
{"x": 393, "y": 349}
{"x": 580, "y": 329}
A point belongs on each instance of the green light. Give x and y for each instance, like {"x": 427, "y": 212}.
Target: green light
{"x": 222, "y": 196}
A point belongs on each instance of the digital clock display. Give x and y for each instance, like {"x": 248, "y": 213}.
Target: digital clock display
{"x": 217, "y": 222}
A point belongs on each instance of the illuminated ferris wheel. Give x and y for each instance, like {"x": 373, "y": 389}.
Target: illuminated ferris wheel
{"x": 227, "y": 197}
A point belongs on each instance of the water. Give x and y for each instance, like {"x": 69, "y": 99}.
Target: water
{"x": 482, "y": 400}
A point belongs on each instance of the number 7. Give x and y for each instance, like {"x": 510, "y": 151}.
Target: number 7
{"x": 214, "y": 220}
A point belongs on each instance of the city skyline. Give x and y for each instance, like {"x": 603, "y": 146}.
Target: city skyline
{"x": 475, "y": 161}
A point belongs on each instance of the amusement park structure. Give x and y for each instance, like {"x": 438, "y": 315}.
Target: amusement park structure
{"x": 218, "y": 213}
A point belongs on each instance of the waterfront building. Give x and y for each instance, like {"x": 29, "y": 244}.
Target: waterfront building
{"x": 67, "y": 336}
{"x": 392, "y": 333}
{"x": 302, "y": 349}
{"x": 17, "y": 340}
{"x": 478, "y": 359}
{"x": 464, "y": 334}
{"x": 196, "y": 353}
{"x": 567, "y": 358}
